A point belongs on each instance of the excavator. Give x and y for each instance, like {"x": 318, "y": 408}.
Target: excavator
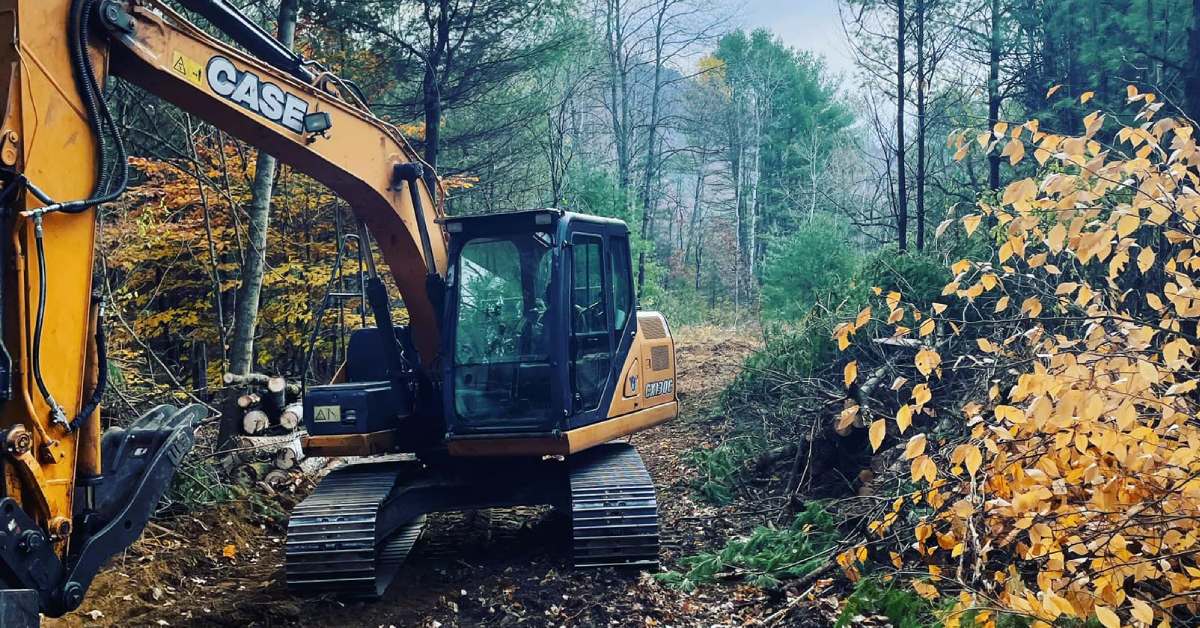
{"x": 522, "y": 363}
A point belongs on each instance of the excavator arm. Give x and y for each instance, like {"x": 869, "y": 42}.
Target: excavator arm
{"x": 70, "y": 497}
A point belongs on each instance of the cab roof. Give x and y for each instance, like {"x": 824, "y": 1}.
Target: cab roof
{"x": 547, "y": 219}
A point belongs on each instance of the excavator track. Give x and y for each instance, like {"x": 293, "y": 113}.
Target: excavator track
{"x": 614, "y": 510}
{"x": 333, "y": 543}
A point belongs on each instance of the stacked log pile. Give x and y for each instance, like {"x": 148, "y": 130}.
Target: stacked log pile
{"x": 267, "y": 453}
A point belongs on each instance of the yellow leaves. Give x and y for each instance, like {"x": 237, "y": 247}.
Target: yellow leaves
{"x": 864, "y": 317}
{"x": 1085, "y": 97}
{"x": 1107, "y": 618}
{"x": 1056, "y": 238}
{"x": 927, "y": 361}
{"x": 1014, "y": 150}
{"x": 1141, "y": 611}
{"x": 1031, "y": 306}
{"x": 876, "y": 433}
{"x": 846, "y": 420}
{"x": 1077, "y": 427}
{"x": 1050, "y": 92}
{"x": 972, "y": 459}
{"x": 921, "y": 394}
{"x": 1012, "y": 414}
{"x": 915, "y": 447}
{"x": 1021, "y": 191}
{"x": 1145, "y": 259}
{"x": 1127, "y": 224}
{"x": 230, "y": 551}
{"x": 850, "y": 373}
{"x": 971, "y": 222}
{"x": 923, "y": 467}
{"x": 904, "y": 417}
{"x": 925, "y": 590}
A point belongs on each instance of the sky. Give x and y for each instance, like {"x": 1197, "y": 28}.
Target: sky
{"x": 805, "y": 24}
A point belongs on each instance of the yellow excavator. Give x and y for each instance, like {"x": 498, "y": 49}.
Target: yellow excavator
{"x": 523, "y": 361}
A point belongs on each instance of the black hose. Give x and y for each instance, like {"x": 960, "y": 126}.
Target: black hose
{"x": 97, "y": 396}
{"x": 56, "y": 412}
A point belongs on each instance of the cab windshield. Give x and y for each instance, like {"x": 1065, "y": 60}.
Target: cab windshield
{"x": 502, "y": 348}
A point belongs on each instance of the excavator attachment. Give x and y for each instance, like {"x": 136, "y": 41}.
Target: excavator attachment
{"x": 140, "y": 461}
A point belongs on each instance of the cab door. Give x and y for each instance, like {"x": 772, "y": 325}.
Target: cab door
{"x": 589, "y": 311}
{"x": 601, "y": 307}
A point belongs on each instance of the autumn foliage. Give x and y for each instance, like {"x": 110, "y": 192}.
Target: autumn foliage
{"x": 1058, "y": 476}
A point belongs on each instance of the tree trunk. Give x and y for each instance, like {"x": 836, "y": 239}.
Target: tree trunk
{"x": 994, "y": 93}
{"x": 922, "y": 68}
{"x": 648, "y": 197}
{"x": 901, "y": 189}
{"x": 431, "y": 91}
{"x": 241, "y": 353}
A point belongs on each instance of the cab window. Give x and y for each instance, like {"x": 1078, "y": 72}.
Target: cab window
{"x": 622, "y": 282}
{"x": 590, "y": 332}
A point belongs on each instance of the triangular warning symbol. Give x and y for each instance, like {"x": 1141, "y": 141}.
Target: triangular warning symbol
{"x": 180, "y": 67}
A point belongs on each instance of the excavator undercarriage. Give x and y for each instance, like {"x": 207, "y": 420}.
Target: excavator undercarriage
{"x": 350, "y": 536}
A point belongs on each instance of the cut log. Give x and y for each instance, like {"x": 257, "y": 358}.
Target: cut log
{"x": 275, "y": 397}
{"x": 248, "y": 401}
{"x": 270, "y": 443}
{"x": 314, "y": 466}
{"x": 255, "y": 421}
{"x": 286, "y": 459}
{"x": 276, "y": 478}
{"x": 291, "y": 417}
{"x": 249, "y": 474}
{"x": 245, "y": 380}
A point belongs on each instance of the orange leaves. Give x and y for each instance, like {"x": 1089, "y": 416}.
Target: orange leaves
{"x": 850, "y": 373}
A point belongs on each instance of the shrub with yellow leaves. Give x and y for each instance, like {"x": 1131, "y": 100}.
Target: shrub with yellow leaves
{"x": 1074, "y": 489}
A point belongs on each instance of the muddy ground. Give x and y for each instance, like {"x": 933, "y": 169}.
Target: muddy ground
{"x": 223, "y": 567}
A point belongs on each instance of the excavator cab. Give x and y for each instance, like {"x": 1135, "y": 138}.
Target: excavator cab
{"x": 538, "y": 320}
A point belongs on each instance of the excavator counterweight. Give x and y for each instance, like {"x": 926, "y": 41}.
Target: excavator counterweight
{"x": 523, "y": 356}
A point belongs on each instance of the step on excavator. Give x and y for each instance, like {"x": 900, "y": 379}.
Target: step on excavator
{"x": 523, "y": 362}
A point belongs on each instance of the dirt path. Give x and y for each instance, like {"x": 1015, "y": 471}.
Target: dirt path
{"x": 504, "y": 567}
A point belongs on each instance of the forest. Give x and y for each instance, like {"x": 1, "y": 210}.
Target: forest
{"x": 934, "y": 305}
